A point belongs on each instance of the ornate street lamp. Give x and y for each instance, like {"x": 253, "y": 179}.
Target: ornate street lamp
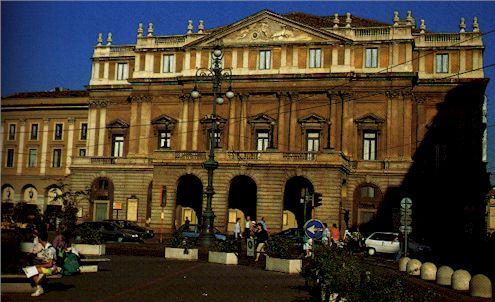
{"x": 217, "y": 74}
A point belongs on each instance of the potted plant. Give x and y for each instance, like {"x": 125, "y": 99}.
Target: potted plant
{"x": 180, "y": 248}
{"x": 224, "y": 251}
{"x": 282, "y": 256}
{"x": 88, "y": 242}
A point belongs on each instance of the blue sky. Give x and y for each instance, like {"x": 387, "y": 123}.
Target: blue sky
{"x": 49, "y": 44}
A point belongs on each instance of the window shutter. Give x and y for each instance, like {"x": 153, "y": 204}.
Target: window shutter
{"x": 111, "y": 71}
{"x": 142, "y": 62}
{"x": 276, "y": 58}
{"x": 327, "y": 57}
{"x": 358, "y": 57}
{"x": 302, "y": 54}
{"x": 253, "y": 54}
{"x": 157, "y": 62}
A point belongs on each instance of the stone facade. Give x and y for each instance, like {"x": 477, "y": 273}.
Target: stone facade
{"x": 357, "y": 110}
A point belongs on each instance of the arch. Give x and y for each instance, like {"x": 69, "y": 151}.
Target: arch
{"x": 29, "y": 193}
{"x": 8, "y": 193}
{"x": 101, "y": 201}
{"x": 188, "y": 199}
{"x": 294, "y": 192}
{"x": 242, "y": 200}
{"x": 367, "y": 198}
{"x": 53, "y": 192}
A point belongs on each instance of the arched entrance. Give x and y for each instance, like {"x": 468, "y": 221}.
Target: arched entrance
{"x": 367, "y": 199}
{"x": 189, "y": 200}
{"x": 242, "y": 201}
{"x": 294, "y": 213}
{"x": 101, "y": 202}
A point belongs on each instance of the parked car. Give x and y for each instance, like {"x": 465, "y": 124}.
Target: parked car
{"x": 143, "y": 232}
{"x": 193, "y": 232}
{"x": 295, "y": 236}
{"x": 109, "y": 231}
{"x": 418, "y": 249}
{"x": 382, "y": 242}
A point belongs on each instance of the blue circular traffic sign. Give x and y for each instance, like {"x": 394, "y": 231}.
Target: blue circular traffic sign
{"x": 313, "y": 228}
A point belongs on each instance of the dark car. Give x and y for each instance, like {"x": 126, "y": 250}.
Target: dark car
{"x": 108, "y": 231}
{"x": 294, "y": 235}
{"x": 143, "y": 232}
{"x": 193, "y": 232}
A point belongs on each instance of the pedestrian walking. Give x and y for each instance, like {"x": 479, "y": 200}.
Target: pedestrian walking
{"x": 325, "y": 236}
{"x": 247, "y": 227}
{"x": 237, "y": 228}
{"x": 261, "y": 238}
{"x": 335, "y": 234}
{"x": 263, "y": 223}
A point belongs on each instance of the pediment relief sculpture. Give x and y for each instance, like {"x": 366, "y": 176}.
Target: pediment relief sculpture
{"x": 268, "y": 30}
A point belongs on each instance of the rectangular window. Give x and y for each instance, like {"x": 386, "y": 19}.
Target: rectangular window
{"x": 216, "y": 140}
{"x": 168, "y": 63}
{"x": 34, "y": 132}
{"x": 12, "y": 129}
{"x": 265, "y": 59}
{"x": 33, "y": 155}
{"x": 58, "y": 131}
{"x": 82, "y": 152}
{"x": 164, "y": 139}
{"x": 371, "y": 58}
{"x": 369, "y": 146}
{"x": 84, "y": 131}
{"x": 313, "y": 143}
{"x": 315, "y": 58}
{"x": 262, "y": 140}
{"x": 118, "y": 146}
{"x": 57, "y": 158}
{"x": 122, "y": 71}
{"x": 442, "y": 63}
{"x": 10, "y": 158}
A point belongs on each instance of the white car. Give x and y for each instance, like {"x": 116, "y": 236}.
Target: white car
{"x": 382, "y": 242}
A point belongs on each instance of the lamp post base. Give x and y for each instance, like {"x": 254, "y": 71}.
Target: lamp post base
{"x": 207, "y": 237}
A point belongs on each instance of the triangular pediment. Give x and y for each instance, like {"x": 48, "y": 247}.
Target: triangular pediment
{"x": 164, "y": 120}
{"x": 312, "y": 119}
{"x": 267, "y": 27}
{"x": 369, "y": 118}
{"x": 261, "y": 119}
{"x": 118, "y": 123}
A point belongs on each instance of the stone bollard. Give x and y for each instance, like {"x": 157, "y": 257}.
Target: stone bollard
{"x": 461, "y": 279}
{"x": 444, "y": 275}
{"x": 413, "y": 267}
{"x": 403, "y": 263}
{"x": 428, "y": 271}
{"x": 480, "y": 286}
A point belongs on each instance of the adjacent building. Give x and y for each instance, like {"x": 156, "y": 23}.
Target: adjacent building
{"x": 363, "y": 112}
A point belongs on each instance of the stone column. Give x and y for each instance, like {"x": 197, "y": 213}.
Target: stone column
{"x": 44, "y": 146}
{"x": 144, "y": 134}
{"x": 101, "y": 129}
{"x": 232, "y": 122}
{"x": 183, "y": 123}
{"x": 21, "y": 152}
{"x": 195, "y": 125}
{"x": 133, "y": 127}
{"x": 70, "y": 143}
{"x": 292, "y": 121}
{"x": 243, "y": 121}
{"x": 280, "y": 143}
{"x": 91, "y": 142}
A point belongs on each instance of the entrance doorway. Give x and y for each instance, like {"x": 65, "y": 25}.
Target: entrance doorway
{"x": 242, "y": 201}
{"x": 294, "y": 213}
{"x": 189, "y": 200}
{"x": 101, "y": 210}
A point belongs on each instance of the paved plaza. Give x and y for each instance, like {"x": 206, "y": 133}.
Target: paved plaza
{"x": 137, "y": 278}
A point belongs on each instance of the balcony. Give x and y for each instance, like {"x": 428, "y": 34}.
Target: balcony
{"x": 262, "y": 158}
